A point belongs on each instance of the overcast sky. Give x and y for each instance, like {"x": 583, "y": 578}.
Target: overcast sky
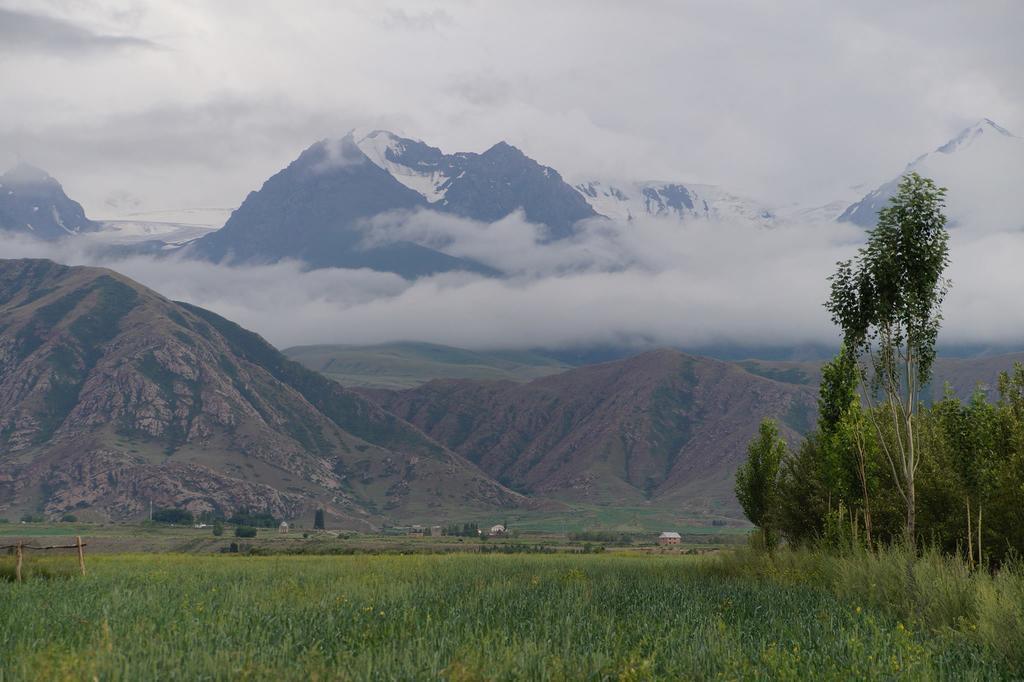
{"x": 181, "y": 104}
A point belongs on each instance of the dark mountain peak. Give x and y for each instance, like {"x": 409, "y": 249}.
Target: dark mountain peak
{"x": 24, "y": 173}
{"x": 504, "y": 149}
{"x": 32, "y": 202}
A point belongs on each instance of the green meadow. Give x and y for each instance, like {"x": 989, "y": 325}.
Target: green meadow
{"x": 612, "y": 616}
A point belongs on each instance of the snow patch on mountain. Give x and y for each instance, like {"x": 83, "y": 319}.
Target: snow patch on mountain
{"x": 385, "y": 150}
{"x": 624, "y": 202}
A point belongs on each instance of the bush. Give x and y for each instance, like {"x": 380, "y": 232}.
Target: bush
{"x": 933, "y": 591}
{"x": 173, "y": 516}
{"x": 245, "y": 532}
{"x": 32, "y": 518}
{"x": 69, "y": 518}
{"x": 218, "y": 528}
{"x": 254, "y": 519}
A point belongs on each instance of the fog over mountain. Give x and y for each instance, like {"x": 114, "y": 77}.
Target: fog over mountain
{"x": 607, "y": 187}
{"x": 735, "y": 276}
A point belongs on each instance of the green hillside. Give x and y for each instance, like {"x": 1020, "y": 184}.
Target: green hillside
{"x": 408, "y": 365}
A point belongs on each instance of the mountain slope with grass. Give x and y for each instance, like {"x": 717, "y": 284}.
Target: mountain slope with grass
{"x": 112, "y": 396}
{"x": 408, "y": 365}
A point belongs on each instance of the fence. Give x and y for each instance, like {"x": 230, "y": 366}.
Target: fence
{"x": 19, "y": 554}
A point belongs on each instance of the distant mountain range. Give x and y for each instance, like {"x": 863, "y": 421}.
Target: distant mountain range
{"x": 662, "y": 428}
{"x": 320, "y": 209}
{"x": 112, "y": 396}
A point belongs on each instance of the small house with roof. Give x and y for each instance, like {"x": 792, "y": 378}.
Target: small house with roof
{"x": 669, "y": 538}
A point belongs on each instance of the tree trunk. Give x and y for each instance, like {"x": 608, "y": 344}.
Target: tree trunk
{"x": 970, "y": 536}
{"x": 911, "y": 512}
{"x": 864, "y": 491}
{"x": 979, "y": 535}
{"x": 909, "y": 467}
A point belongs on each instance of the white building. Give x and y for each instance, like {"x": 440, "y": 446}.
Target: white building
{"x": 669, "y": 538}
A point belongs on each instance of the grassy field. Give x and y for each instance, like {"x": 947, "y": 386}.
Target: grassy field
{"x": 457, "y": 617}
{"x": 407, "y": 365}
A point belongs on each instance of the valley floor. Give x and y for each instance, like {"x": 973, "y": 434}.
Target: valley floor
{"x": 460, "y": 617}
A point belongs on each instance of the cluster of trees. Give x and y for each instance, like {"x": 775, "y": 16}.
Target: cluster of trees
{"x": 465, "y": 530}
{"x": 881, "y": 466}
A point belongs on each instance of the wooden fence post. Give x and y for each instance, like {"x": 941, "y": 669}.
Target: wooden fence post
{"x": 17, "y": 563}
{"x": 81, "y": 553}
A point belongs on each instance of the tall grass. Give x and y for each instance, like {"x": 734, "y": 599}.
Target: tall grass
{"x": 933, "y": 591}
{"x": 459, "y": 617}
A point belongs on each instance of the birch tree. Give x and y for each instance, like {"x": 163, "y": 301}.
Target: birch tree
{"x": 888, "y": 303}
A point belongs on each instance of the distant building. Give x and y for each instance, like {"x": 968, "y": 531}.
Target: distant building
{"x": 669, "y": 538}
{"x": 497, "y": 530}
{"x": 283, "y": 528}
{"x": 417, "y": 531}
{"x": 435, "y": 531}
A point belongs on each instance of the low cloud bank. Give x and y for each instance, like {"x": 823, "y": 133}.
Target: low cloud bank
{"x": 652, "y": 282}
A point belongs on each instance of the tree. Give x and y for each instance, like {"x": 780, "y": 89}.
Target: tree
{"x": 218, "y": 527}
{"x": 757, "y": 480}
{"x": 887, "y": 302}
{"x": 318, "y": 520}
{"x": 844, "y": 441}
{"x": 245, "y": 532}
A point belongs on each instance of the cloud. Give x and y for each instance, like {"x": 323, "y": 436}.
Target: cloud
{"x": 25, "y": 31}
{"x": 785, "y": 101}
{"x": 431, "y": 20}
{"x": 697, "y": 285}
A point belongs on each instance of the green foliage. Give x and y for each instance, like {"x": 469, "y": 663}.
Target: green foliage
{"x": 535, "y": 617}
{"x": 888, "y": 304}
{"x": 318, "y": 520}
{"x": 466, "y": 530}
{"x": 757, "y": 480}
{"x": 32, "y": 518}
{"x": 245, "y": 532}
{"x": 968, "y": 489}
{"x": 892, "y": 294}
{"x": 218, "y": 528}
{"x": 69, "y": 518}
{"x": 175, "y": 516}
{"x": 932, "y": 593}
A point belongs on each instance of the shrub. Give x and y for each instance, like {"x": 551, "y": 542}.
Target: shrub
{"x": 218, "y": 528}
{"x": 245, "y": 532}
{"x": 173, "y": 516}
{"x": 69, "y": 518}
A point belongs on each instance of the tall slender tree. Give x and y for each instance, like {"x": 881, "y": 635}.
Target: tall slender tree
{"x": 757, "y": 480}
{"x": 888, "y": 301}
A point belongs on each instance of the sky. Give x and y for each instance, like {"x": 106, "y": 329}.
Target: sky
{"x": 160, "y": 105}
{"x": 156, "y": 106}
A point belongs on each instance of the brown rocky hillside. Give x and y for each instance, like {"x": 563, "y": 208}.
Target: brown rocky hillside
{"x": 112, "y": 396}
{"x": 661, "y": 428}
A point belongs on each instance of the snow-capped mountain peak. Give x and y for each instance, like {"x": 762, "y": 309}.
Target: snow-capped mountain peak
{"x": 421, "y": 174}
{"x": 981, "y": 166}
{"x": 979, "y": 130}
